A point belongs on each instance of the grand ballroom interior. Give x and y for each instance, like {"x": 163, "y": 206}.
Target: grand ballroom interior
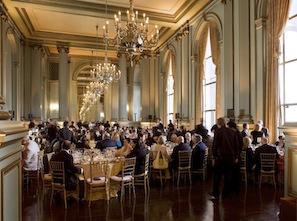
{"x": 189, "y": 61}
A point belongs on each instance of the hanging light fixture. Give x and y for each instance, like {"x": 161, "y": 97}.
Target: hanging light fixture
{"x": 131, "y": 38}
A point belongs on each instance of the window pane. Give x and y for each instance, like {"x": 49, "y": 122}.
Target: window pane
{"x": 208, "y": 47}
{"x": 290, "y": 82}
{"x": 290, "y": 113}
{"x": 293, "y": 9}
{"x": 210, "y": 120}
{"x": 210, "y": 97}
{"x": 281, "y": 84}
{"x": 210, "y": 69}
{"x": 290, "y": 45}
{"x": 170, "y": 104}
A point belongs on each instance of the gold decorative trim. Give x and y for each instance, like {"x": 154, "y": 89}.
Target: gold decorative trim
{"x": 5, "y": 170}
{"x": 14, "y": 131}
{"x": 10, "y": 154}
{"x": 292, "y": 151}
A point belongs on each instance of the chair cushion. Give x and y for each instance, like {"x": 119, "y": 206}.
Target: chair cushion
{"x": 120, "y": 179}
{"x": 96, "y": 180}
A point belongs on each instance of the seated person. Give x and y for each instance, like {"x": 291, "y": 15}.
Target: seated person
{"x": 198, "y": 152}
{"x": 264, "y": 148}
{"x": 70, "y": 170}
{"x": 116, "y": 137}
{"x": 125, "y": 150}
{"x": 181, "y": 146}
{"x": 247, "y": 142}
{"x": 30, "y": 154}
{"x": 83, "y": 143}
{"x": 140, "y": 153}
{"x": 257, "y": 134}
{"x": 106, "y": 142}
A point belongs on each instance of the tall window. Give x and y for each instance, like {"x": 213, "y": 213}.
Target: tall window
{"x": 170, "y": 91}
{"x": 209, "y": 88}
{"x": 287, "y": 69}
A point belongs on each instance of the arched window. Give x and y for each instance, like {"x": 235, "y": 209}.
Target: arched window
{"x": 170, "y": 90}
{"x": 287, "y": 69}
{"x": 209, "y": 88}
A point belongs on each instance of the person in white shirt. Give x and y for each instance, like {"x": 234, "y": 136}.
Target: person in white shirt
{"x": 30, "y": 154}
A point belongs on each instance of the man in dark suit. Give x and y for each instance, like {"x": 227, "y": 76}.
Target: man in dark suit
{"x": 66, "y": 134}
{"x": 198, "y": 152}
{"x": 225, "y": 156}
{"x": 70, "y": 169}
{"x": 180, "y": 146}
{"x": 106, "y": 142}
{"x": 140, "y": 153}
{"x": 264, "y": 148}
{"x": 245, "y": 130}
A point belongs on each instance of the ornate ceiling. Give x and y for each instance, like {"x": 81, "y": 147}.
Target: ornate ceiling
{"x": 73, "y": 22}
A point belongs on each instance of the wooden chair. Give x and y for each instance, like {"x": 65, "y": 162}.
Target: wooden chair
{"x": 29, "y": 175}
{"x": 153, "y": 171}
{"x": 97, "y": 182}
{"x": 267, "y": 161}
{"x": 126, "y": 178}
{"x": 46, "y": 179}
{"x": 203, "y": 170}
{"x": 184, "y": 164}
{"x": 243, "y": 165}
{"x": 58, "y": 182}
{"x": 143, "y": 179}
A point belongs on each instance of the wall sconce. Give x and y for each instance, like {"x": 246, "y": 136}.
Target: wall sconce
{"x": 183, "y": 31}
{"x": 54, "y": 107}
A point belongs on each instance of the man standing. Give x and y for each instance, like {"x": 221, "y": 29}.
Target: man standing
{"x": 70, "y": 170}
{"x": 225, "y": 153}
{"x": 66, "y": 134}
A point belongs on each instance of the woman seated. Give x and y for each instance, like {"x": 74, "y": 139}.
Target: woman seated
{"x": 125, "y": 150}
{"x": 247, "y": 142}
{"x": 162, "y": 148}
{"x": 257, "y": 134}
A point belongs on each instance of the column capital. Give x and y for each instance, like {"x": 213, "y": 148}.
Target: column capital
{"x": 64, "y": 49}
{"x": 4, "y": 15}
{"x": 225, "y": 1}
{"x": 35, "y": 46}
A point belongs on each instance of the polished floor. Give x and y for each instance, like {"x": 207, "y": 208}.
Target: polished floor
{"x": 168, "y": 202}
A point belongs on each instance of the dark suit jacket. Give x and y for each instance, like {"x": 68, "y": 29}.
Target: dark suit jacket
{"x": 66, "y": 134}
{"x": 174, "y": 155}
{"x": 103, "y": 144}
{"x": 225, "y": 144}
{"x": 198, "y": 155}
{"x": 70, "y": 169}
{"x": 265, "y": 148}
{"x": 140, "y": 159}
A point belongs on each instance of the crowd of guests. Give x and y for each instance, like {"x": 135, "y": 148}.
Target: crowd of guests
{"x": 225, "y": 148}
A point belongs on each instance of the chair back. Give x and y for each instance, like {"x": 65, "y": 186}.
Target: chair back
{"x": 128, "y": 166}
{"x": 243, "y": 159}
{"x": 184, "y": 158}
{"x": 97, "y": 170}
{"x": 204, "y": 166}
{"x": 267, "y": 161}
{"x": 57, "y": 171}
{"x": 147, "y": 163}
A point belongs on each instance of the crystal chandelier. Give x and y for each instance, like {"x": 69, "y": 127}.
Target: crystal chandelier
{"x": 130, "y": 38}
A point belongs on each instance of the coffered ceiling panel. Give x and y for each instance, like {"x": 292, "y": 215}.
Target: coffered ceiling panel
{"x": 73, "y": 22}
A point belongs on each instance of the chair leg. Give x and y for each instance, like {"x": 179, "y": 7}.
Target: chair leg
{"x": 148, "y": 183}
{"x": 245, "y": 177}
{"x": 274, "y": 182}
{"x": 161, "y": 177}
{"x": 144, "y": 183}
{"x": 190, "y": 177}
{"x": 65, "y": 198}
{"x": 122, "y": 191}
{"x": 52, "y": 196}
{"x": 133, "y": 187}
{"x": 178, "y": 177}
{"x": 90, "y": 196}
{"x": 260, "y": 181}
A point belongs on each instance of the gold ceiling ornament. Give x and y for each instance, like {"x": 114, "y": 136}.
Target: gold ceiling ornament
{"x": 183, "y": 31}
{"x": 132, "y": 37}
